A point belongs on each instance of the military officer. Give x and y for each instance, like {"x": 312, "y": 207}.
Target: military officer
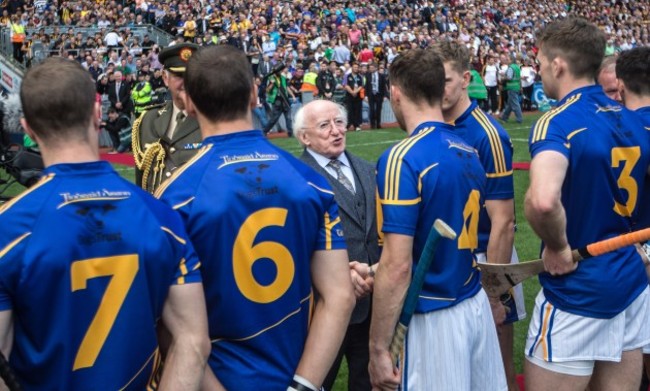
{"x": 164, "y": 137}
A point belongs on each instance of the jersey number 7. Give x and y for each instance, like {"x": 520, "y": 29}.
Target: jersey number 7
{"x": 123, "y": 269}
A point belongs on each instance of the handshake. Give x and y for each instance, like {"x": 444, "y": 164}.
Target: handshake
{"x": 363, "y": 278}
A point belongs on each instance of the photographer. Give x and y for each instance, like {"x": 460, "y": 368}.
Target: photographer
{"x": 277, "y": 96}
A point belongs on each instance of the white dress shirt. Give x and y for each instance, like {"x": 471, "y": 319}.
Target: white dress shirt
{"x": 345, "y": 166}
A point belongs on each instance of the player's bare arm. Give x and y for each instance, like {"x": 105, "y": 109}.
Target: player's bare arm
{"x": 329, "y": 271}
{"x": 185, "y": 318}
{"x": 502, "y": 237}
{"x": 544, "y": 210}
{"x": 391, "y": 282}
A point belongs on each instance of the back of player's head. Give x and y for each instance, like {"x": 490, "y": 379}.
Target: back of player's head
{"x": 633, "y": 70}
{"x": 580, "y": 43}
{"x": 420, "y": 75}
{"x": 453, "y": 53}
{"x": 58, "y": 99}
{"x": 219, "y": 81}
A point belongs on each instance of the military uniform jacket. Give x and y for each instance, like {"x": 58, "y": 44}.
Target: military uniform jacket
{"x": 156, "y": 155}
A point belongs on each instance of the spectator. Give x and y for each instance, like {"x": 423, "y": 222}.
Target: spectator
{"x": 353, "y": 85}
{"x": 119, "y": 93}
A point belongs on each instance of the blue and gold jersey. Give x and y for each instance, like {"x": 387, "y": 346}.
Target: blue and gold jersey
{"x": 608, "y": 152}
{"x": 255, "y": 215}
{"x": 87, "y": 260}
{"x": 495, "y": 152}
{"x": 643, "y": 219}
{"x": 434, "y": 174}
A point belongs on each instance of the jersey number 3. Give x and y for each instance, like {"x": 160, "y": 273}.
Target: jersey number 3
{"x": 629, "y": 156}
{"x": 122, "y": 269}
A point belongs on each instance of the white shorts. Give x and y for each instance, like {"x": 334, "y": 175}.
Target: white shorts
{"x": 454, "y": 349}
{"x": 514, "y": 299}
{"x": 576, "y": 342}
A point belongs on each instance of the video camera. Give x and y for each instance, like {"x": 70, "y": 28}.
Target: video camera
{"x": 20, "y": 165}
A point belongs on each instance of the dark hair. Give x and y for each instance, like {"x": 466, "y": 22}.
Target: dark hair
{"x": 454, "y": 53}
{"x": 219, "y": 80}
{"x": 58, "y": 99}
{"x": 632, "y": 69}
{"x": 580, "y": 43}
{"x": 420, "y": 75}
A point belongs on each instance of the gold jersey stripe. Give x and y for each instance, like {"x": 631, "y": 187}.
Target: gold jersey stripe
{"x": 158, "y": 193}
{"x": 495, "y": 141}
{"x": 169, "y": 231}
{"x": 394, "y": 165}
{"x": 14, "y": 200}
{"x": 541, "y": 127}
{"x": 295, "y": 312}
{"x": 13, "y": 244}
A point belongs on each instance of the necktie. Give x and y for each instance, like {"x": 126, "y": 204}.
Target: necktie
{"x": 340, "y": 176}
{"x": 179, "y": 120}
{"x": 375, "y": 84}
{"x": 117, "y": 88}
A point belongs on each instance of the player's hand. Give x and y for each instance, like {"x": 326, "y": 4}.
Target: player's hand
{"x": 558, "y": 262}
{"x": 384, "y": 376}
{"x": 360, "y": 280}
{"x": 498, "y": 310}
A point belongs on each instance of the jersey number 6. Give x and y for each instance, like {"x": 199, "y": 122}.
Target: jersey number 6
{"x": 246, "y": 253}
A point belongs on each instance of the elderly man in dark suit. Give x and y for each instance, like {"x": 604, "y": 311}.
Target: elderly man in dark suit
{"x": 320, "y": 127}
{"x": 375, "y": 92}
{"x": 119, "y": 94}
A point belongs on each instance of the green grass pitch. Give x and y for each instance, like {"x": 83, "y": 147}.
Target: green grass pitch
{"x": 370, "y": 144}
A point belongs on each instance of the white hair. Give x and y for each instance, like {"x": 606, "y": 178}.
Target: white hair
{"x": 299, "y": 118}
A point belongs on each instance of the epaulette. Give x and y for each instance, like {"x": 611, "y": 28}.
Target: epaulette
{"x": 154, "y": 106}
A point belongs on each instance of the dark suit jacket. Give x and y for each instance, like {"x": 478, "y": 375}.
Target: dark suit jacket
{"x": 381, "y": 81}
{"x": 182, "y": 147}
{"x": 360, "y": 231}
{"x": 124, "y": 95}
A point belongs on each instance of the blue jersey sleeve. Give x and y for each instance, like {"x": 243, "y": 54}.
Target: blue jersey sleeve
{"x": 12, "y": 247}
{"x": 330, "y": 236}
{"x": 495, "y": 153}
{"x": 188, "y": 266}
{"x": 399, "y": 187}
{"x": 546, "y": 135}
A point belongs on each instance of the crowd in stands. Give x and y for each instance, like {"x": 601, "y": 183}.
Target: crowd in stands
{"x": 309, "y": 36}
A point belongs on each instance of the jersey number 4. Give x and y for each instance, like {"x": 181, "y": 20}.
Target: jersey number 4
{"x": 468, "y": 239}
{"x": 122, "y": 269}
{"x": 629, "y": 156}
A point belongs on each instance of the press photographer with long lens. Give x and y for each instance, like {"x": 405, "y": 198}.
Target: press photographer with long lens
{"x": 277, "y": 96}
{"x": 20, "y": 164}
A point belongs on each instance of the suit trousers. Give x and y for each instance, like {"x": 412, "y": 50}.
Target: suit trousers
{"x": 375, "y": 102}
{"x": 353, "y": 105}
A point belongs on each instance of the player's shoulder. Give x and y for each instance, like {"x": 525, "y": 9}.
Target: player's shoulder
{"x": 32, "y": 199}
{"x": 154, "y": 111}
{"x": 308, "y": 174}
{"x": 185, "y": 178}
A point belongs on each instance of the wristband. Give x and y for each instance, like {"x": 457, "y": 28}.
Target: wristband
{"x": 299, "y": 383}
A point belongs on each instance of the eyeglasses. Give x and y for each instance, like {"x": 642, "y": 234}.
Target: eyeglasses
{"x": 329, "y": 125}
